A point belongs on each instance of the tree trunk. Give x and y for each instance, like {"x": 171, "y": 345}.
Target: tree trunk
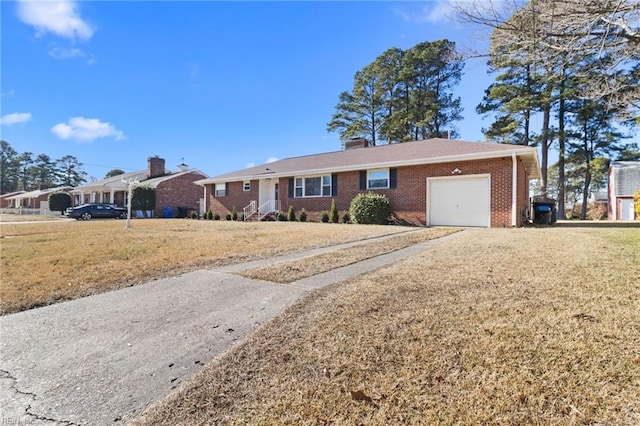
{"x": 587, "y": 175}
{"x": 561, "y": 151}
{"x": 545, "y": 146}
{"x": 527, "y": 112}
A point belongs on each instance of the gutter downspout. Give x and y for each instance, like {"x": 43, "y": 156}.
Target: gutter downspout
{"x": 514, "y": 191}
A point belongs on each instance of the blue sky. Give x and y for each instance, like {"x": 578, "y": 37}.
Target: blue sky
{"x": 218, "y": 85}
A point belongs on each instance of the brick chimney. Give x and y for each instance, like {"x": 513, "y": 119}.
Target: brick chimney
{"x": 356, "y": 143}
{"x": 155, "y": 167}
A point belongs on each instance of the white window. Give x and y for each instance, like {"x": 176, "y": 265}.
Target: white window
{"x": 246, "y": 186}
{"x": 221, "y": 189}
{"x": 378, "y": 179}
{"x": 316, "y": 186}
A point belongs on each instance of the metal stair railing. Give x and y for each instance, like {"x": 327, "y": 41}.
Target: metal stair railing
{"x": 250, "y": 210}
{"x": 271, "y": 206}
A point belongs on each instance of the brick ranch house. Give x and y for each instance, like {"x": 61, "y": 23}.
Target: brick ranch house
{"x": 429, "y": 183}
{"x": 173, "y": 189}
{"x": 37, "y": 199}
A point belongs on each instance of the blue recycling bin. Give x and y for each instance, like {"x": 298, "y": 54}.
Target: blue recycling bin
{"x": 167, "y": 212}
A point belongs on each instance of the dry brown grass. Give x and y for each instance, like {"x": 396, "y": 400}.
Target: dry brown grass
{"x": 43, "y": 263}
{"x": 290, "y": 271}
{"x": 526, "y": 326}
{"x": 29, "y": 218}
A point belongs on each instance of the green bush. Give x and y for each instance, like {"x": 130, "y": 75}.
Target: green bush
{"x": 234, "y": 214}
{"x": 324, "y": 217}
{"x": 216, "y": 216}
{"x": 209, "y": 215}
{"x": 281, "y": 217}
{"x": 194, "y": 215}
{"x": 143, "y": 198}
{"x": 228, "y": 216}
{"x": 291, "y": 214}
{"x": 370, "y": 208}
{"x": 334, "y": 216}
{"x": 345, "y": 218}
{"x": 303, "y": 215}
{"x": 59, "y": 201}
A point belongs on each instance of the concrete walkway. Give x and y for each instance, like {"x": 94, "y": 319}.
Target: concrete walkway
{"x": 101, "y": 360}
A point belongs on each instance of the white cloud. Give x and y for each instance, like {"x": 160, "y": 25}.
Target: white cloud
{"x": 444, "y": 11}
{"x": 65, "y": 53}
{"x": 249, "y": 165}
{"x": 86, "y": 130}
{"x": 60, "y": 17}
{"x": 9, "y": 92}
{"x": 434, "y": 12}
{"x": 62, "y": 53}
{"x": 15, "y": 118}
{"x": 271, "y": 160}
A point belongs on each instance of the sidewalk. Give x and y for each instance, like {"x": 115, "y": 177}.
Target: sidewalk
{"x": 102, "y": 359}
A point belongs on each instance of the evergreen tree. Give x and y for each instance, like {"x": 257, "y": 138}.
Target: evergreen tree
{"x": 8, "y": 168}
{"x": 402, "y": 95}
{"x": 69, "y": 172}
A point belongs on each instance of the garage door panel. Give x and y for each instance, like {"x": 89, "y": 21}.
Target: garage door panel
{"x": 459, "y": 201}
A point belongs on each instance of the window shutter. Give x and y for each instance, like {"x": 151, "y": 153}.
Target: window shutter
{"x": 291, "y": 188}
{"x": 363, "y": 179}
{"x": 334, "y": 184}
{"x": 393, "y": 178}
{"x": 226, "y": 189}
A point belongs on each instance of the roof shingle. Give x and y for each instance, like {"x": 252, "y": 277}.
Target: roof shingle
{"x": 393, "y": 155}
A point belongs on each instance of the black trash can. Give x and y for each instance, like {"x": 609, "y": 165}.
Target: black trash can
{"x": 544, "y": 212}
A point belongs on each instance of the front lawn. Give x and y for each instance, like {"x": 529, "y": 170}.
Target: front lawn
{"x": 43, "y": 263}
{"x": 500, "y": 326}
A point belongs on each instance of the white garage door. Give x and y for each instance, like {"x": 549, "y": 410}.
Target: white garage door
{"x": 626, "y": 209}
{"x": 459, "y": 201}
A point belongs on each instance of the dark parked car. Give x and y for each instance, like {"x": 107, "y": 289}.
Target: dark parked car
{"x": 93, "y": 210}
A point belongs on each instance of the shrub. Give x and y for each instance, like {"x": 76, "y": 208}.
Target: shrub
{"x": 234, "y": 214}
{"x": 143, "y": 198}
{"x": 194, "y": 215}
{"x": 281, "y": 217}
{"x": 370, "y": 208}
{"x": 216, "y": 216}
{"x": 324, "y": 217}
{"x": 291, "y": 214}
{"x": 59, "y": 201}
{"x": 303, "y": 215}
{"x": 228, "y": 216}
{"x": 345, "y": 218}
{"x": 596, "y": 211}
{"x": 334, "y": 216}
{"x": 209, "y": 215}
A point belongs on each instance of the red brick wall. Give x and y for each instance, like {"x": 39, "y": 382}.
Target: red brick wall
{"x": 235, "y": 197}
{"x": 408, "y": 200}
{"x": 179, "y": 192}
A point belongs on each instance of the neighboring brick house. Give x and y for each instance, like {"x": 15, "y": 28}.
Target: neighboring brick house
{"x": 624, "y": 181}
{"x": 177, "y": 192}
{"x": 430, "y": 182}
{"x": 173, "y": 189}
{"x": 38, "y": 199}
{"x": 5, "y": 202}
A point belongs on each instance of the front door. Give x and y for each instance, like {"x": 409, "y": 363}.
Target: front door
{"x": 267, "y": 190}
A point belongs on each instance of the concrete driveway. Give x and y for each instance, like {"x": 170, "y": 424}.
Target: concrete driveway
{"x": 102, "y": 359}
